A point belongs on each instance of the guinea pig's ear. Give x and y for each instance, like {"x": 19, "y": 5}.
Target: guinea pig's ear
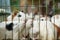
{"x": 15, "y": 12}
{"x": 22, "y": 11}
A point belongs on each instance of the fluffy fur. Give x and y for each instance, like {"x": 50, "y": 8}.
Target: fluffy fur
{"x": 46, "y": 29}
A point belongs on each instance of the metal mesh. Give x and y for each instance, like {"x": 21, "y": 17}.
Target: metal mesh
{"x": 40, "y": 8}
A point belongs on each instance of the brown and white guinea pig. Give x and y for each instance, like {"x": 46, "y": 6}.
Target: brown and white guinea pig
{"x": 17, "y": 22}
{"x": 16, "y": 18}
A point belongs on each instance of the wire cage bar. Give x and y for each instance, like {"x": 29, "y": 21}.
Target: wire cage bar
{"x": 29, "y": 20}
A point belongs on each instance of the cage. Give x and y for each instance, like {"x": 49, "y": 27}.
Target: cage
{"x": 29, "y": 20}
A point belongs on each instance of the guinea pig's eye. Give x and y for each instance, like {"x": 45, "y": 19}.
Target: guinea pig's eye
{"x": 19, "y": 15}
{"x": 42, "y": 19}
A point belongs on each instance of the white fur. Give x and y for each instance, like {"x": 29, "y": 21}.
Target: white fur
{"x": 18, "y": 24}
{"x": 37, "y": 17}
{"x": 8, "y": 34}
{"x": 46, "y": 29}
{"x": 56, "y": 20}
{"x": 28, "y": 25}
{"x": 29, "y": 16}
{"x": 17, "y": 28}
{"x": 9, "y": 18}
{"x": 2, "y": 30}
{"x": 22, "y": 16}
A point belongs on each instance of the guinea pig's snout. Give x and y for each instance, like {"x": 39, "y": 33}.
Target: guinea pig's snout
{"x": 9, "y": 26}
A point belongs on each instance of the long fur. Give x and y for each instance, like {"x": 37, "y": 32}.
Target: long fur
{"x": 46, "y": 29}
{"x": 56, "y": 21}
{"x": 18, "y": 23}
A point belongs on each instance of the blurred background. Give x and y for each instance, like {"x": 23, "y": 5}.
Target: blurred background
{"x": 8, "y": 6}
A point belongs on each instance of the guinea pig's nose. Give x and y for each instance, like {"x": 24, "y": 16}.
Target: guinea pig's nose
{"x": 19, "y": 15}
{"x": 9, "y": 27}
